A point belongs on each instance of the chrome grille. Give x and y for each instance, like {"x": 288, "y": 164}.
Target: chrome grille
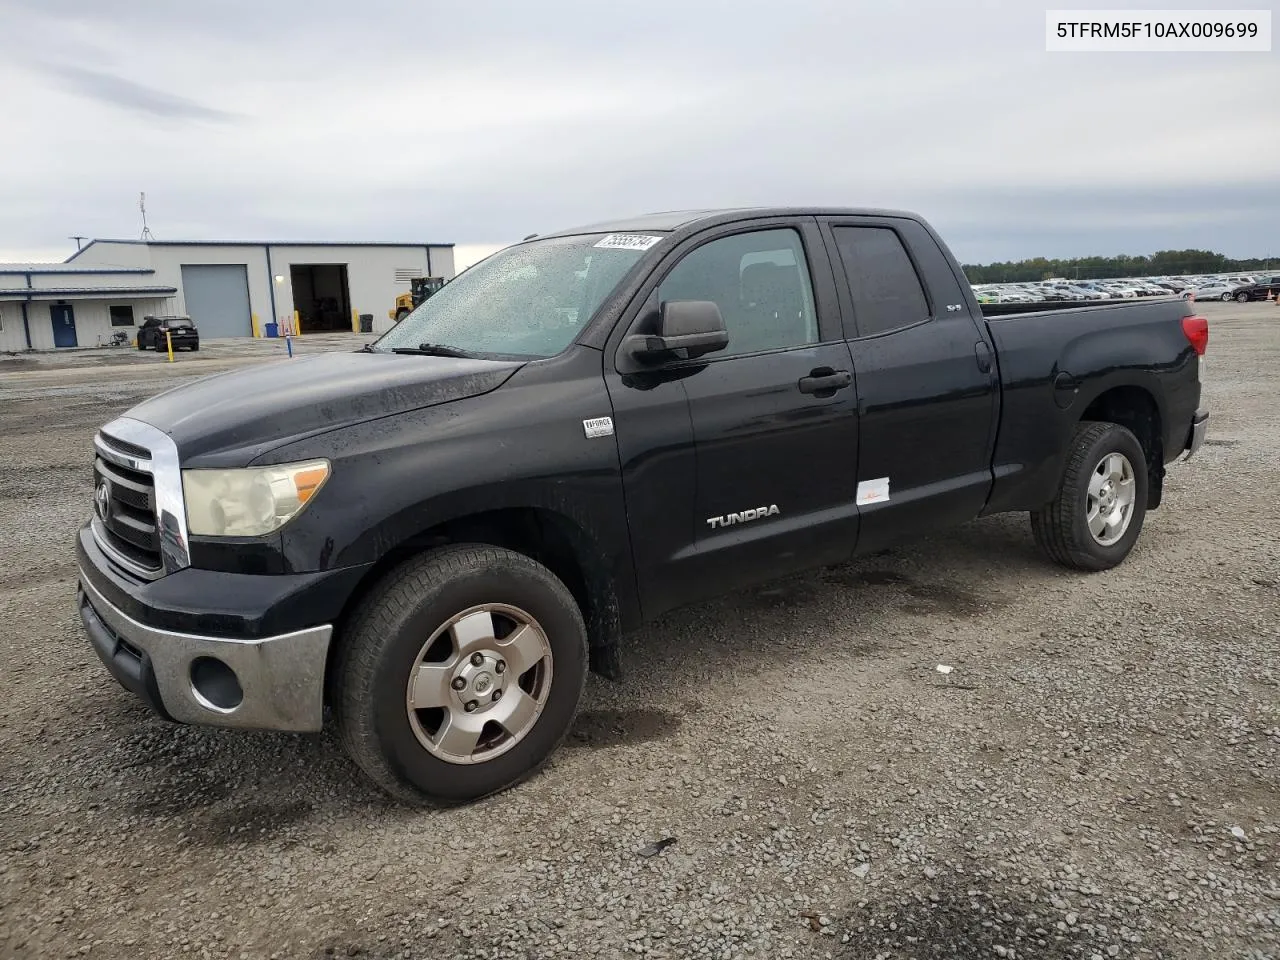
{"x": 139, "y": 514}
{"x": 124, "y": 521}
{"x": 125, "y": 447}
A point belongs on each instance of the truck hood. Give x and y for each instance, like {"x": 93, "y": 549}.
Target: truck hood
{"x": 229, "y": 419}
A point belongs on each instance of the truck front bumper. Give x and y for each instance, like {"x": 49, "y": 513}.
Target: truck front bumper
{"x": 267, "y": 683}
{"x": 214, "y": 648}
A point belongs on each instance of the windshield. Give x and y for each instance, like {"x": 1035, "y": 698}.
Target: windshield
{"x": 526, "y": 301}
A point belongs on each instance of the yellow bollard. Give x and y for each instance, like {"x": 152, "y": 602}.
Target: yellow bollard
{"x": 355, "y": 321}
{"x": 297, "y": 324}
{"x": 253, "y": 323}
{"x": 168, "y": 338}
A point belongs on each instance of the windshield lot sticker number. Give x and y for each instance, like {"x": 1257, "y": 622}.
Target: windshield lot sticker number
{"x": 628, "y": 241}
{"x": 599, "y": 427}
{"x": 873, "y": 491}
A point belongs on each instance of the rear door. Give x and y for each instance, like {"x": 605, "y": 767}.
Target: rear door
{"x": 771, "y": 418}
{"x": 928, "y": 388}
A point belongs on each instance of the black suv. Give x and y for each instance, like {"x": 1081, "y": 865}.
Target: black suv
{"x": 1259, "y": 289}
{"x": 180, "y": 329}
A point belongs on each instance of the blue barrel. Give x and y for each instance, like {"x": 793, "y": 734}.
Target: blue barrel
{"x": 273, "y": 329}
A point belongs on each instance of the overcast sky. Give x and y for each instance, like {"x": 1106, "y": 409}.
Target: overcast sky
{"x": 478, "y": 122}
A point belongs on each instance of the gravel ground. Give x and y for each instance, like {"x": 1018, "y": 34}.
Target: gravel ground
{"x": 1097, "y": 776}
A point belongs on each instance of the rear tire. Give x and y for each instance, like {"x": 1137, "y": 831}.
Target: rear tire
{"x": 401, "y": 314}
{"x": 494, "y": 636}
{"x": 1101, "y": 503}
{"x": 1242, "y": 298}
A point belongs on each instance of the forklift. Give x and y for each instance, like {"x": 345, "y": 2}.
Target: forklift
{"x": 420, "y": 288}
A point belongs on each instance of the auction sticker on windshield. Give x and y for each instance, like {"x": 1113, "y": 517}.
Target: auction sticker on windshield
{"x": 628, "y": 241}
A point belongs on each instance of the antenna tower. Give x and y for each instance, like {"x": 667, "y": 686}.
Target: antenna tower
{"x": 142, "y": 205}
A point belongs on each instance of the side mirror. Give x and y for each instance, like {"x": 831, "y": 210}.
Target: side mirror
{"x": 687, "y": 329}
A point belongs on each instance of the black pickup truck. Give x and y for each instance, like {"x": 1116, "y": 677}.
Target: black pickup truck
{"x": 438, "y": 535}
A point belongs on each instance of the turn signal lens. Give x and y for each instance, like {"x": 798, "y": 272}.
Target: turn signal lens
{"x": 307, "y": 482}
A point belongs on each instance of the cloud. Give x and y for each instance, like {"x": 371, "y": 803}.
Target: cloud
{"x": 433, "y": 121}
{"x": 120, "y": 92}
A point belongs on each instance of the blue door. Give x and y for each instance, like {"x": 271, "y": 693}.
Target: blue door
{"x": 64, "y": 325}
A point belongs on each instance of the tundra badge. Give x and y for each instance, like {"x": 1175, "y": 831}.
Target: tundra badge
{"x": 756, "y": 513}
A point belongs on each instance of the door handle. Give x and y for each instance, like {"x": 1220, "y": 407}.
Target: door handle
{"x": 982, "y": 353}
{"x": 824, "y": 381}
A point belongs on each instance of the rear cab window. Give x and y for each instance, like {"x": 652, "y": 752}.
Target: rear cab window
{"x": 897, "y": 276}
{"x": 886, "y": 290}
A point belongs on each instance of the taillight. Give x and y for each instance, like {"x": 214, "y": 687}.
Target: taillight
{"x": 1197, "y": 333}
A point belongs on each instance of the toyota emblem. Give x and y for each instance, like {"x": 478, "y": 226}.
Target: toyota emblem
{"x": 102, "y": 500}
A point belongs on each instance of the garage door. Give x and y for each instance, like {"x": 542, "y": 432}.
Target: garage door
{"x": 217, "y": 298}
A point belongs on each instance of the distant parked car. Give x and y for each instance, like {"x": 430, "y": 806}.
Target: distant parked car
{"x": 1212, "y": 291}
{"x": 1049, "y": 292}
{"x": 1122, "y": 291}
{"x": 152, "y": 334}
{"x": 1081, "y": 292}
{"x": 1259, "y": 289}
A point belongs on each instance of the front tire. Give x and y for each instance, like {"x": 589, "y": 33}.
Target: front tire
{"x": 459, "y": 674}
{"x": 1242, "y": 298}
{"x": 1226, "y": 297}
{"x": 1101, "y": 503}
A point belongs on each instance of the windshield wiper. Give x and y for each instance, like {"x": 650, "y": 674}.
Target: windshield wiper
{"x": 438, "y": 350}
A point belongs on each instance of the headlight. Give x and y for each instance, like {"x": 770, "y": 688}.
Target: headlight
{"x": 251, "y": 502}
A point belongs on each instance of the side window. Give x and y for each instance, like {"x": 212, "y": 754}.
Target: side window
{"x": 887, "y": 293}
{"x": 760, "y": 282}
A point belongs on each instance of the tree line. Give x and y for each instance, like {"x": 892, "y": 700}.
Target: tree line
{"x": 1161, "y": 264}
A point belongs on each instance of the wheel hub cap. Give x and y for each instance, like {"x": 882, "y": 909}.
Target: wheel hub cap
{"x": 479, "y": 684}
{"x": 1110, "y": 499}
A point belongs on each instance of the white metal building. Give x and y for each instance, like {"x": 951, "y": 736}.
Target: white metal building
{"x": 229, "y": 288}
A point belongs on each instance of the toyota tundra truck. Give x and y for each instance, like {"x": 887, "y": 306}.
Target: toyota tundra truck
{"x": 431, "y": 541}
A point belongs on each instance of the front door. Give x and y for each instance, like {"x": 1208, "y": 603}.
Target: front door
{"x": 63, "y": 318}
{"x": 927, "y": 382}
{"x": 772, "y": 419}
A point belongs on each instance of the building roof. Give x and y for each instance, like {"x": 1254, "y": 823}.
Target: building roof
{"x": 35, "y": 293}
{"x": 20, "y": 269}
{"x": 255, "y": 243}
